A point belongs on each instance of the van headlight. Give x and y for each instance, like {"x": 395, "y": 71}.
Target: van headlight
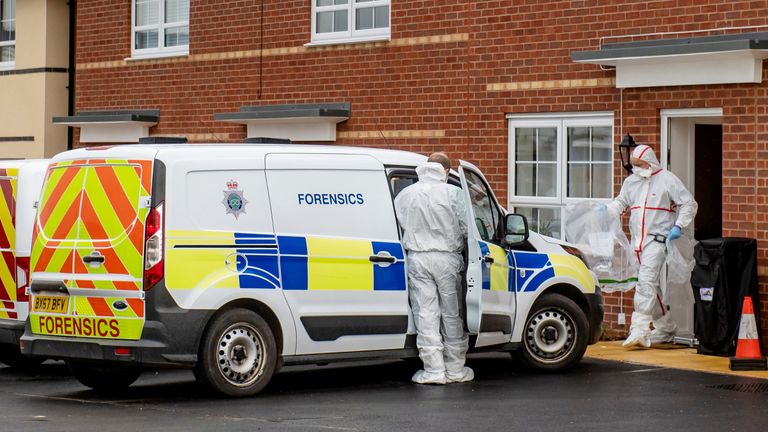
{"x": 577, "y": 253}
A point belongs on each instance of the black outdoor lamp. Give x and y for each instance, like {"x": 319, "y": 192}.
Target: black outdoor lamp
{"x": 626, "y": 146}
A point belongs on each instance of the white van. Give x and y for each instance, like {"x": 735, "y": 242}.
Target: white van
{"x": 233, "y": 260}
{"x": 20, "y": 183}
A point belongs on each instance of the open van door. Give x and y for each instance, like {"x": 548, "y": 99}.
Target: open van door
{"x": 490, "y": 279}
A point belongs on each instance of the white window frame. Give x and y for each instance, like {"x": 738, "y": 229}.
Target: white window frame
{"x": 9, "y": 65}
{"x": 561, "y": 122}
{"x": 161, "y": 26}
{"x": 351, "y": 35}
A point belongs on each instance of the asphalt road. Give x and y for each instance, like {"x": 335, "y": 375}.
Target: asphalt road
{"x": 596, "y": 396}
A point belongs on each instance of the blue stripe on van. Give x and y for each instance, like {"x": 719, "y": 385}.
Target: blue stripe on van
{"x": 293, "y": 262}
{"x": 392, "y": 277}
{"x": 535, "y": 279}
{"x": 531, "y": 260}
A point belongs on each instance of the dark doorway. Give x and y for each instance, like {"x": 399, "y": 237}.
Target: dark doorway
{"x": 709, "y": 181}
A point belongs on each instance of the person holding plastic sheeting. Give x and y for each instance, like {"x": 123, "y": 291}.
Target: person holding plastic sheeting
{"x": 660, "y": 208}
{"x": 432, "y": 214}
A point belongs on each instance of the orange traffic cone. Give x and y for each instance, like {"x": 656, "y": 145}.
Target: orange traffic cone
{"x": 748, "y": 347}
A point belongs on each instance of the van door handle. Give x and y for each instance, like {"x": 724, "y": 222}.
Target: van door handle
{"x": 488, "y": 258}
{"x": 94, "y": 258}
{"x": 382, "y": 259}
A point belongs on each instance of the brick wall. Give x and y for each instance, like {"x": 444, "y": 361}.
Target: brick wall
{"x": 445, "y": 81}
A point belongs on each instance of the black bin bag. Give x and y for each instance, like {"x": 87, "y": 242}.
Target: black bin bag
{"x": 725, "y": 272}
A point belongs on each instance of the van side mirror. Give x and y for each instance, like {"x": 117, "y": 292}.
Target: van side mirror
{"x": 515, "y": 229}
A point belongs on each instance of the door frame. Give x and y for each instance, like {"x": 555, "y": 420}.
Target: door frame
{"x": 683, "y": 317}
{"x": 667, "y": 114}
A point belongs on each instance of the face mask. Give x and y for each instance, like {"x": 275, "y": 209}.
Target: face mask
{"x": 642, "y": 172}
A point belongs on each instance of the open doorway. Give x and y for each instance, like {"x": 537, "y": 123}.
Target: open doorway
{"x": 692, "y": 148}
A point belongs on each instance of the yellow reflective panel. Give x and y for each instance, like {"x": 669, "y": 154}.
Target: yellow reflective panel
{"x": 499, "y": 268}
{"x": 574, "y": 268}
{"x": 339, "y": 264}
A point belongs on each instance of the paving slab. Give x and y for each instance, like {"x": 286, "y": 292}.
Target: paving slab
{"x": 668, "y": 356}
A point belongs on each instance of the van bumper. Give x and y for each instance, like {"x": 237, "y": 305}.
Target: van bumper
{"x": 10, "y": 331}
{"x": 156, "y": 348}
{"x": 596, "y": 313}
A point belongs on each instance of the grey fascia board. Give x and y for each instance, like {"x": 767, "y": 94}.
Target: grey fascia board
{"x": 139, "y": 116}
{"x": 756, "y": 36}
{"x": 669, "y": 50}
{"x": 294, "y": 111}
{"x": 274, "y": 115}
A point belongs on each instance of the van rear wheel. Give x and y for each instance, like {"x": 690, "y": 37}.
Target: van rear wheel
{"x": 11, "y": 355}
{"x": 555, "y": 335}
{"x": 238, "y": 354}
{"x": 105, "y": 379}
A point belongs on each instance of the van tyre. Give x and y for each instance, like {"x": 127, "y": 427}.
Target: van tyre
{"x": 238, "y": 354}
{"x": 11, "y": 355}
{"x": 105, "y": 379}
{"x": 555, "y": 336}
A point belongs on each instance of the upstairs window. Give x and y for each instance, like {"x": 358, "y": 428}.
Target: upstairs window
{"x": 341, "y": 21}
{"x": 7, "y": 34}
{"x": 160, "y": 28}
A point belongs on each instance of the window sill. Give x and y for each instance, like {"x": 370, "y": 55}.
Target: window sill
{"x": 6, "y": 66}
{"x": 157, "y": 55}
{"x": 347, "y": 41}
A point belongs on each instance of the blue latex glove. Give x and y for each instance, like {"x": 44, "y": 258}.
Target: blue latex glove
{"x": 674, "y": 233}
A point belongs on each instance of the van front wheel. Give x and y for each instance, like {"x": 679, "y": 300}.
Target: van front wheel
{"x": 238, "y": 354}
{"x": 555, "y": 335}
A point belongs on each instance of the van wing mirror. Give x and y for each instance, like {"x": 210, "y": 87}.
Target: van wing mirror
{"x": 515, "y": 229}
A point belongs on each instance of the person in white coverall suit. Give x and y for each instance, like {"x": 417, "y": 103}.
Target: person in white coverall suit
{"x": 660, "y": 208}
{"x": 432, "y": 214}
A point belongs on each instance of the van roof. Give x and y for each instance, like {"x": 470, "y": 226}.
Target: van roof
{"x": 18, "y": 163}
{"x": 173, "y": 151}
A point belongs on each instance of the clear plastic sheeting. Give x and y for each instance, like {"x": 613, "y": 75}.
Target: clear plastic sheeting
{"x": 591, "y": 228}
{"x": 680, "y": 263}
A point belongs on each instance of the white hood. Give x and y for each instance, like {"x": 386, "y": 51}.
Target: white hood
{"x": 431, "y": 171}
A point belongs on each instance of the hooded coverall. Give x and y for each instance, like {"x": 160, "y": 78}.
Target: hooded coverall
{"x": 656, "y": 204}
{"x": 432, "y": 215}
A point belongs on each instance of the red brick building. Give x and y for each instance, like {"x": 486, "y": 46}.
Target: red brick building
{"x": 515, "y": 87}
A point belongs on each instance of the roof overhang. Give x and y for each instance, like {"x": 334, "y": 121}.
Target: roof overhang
{"x": 121, "y": 126}
{"x": 727, "y": 59}
{"x": 295, "y": 122}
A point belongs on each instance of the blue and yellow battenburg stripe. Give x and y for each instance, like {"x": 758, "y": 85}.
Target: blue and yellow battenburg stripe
{"x": 264, "y": 261}
{"x": 528, "y": 271}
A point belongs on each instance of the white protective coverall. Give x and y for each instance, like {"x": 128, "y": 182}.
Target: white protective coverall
{"x": 432, "y": 214}
{"x": 657, "y": 201}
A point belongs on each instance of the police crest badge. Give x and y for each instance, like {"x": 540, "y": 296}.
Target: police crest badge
{"x": 234, "y": 201}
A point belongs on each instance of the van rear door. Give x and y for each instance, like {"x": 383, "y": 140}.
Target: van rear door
{"x": 8, "y": 294}
{"x": 88, "y": 254}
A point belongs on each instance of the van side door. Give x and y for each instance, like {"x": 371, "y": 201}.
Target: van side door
{"x": 341, "y": 262}
{"x": 490, "y": 277}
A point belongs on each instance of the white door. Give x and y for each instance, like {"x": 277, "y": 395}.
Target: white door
{"x": 678, "y": 155}
{"x": 490, "y": 281}
{"x": 341, "y": 260}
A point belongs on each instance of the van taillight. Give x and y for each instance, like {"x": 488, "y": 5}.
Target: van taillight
{"x": 22, "y": 279}
{"x": 153, "y": 248}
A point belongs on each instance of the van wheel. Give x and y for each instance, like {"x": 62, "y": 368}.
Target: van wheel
{"x": 555, "y": 335}
{"x": 104, "y": 379}
{"x": 11, "y": 355}
{"x": 238, "y": 354}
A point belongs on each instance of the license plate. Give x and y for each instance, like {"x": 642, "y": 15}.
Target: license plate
{"x": 50, "y": 304}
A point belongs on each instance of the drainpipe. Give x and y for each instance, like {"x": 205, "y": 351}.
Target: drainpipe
{"x": 71, "y": 71}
